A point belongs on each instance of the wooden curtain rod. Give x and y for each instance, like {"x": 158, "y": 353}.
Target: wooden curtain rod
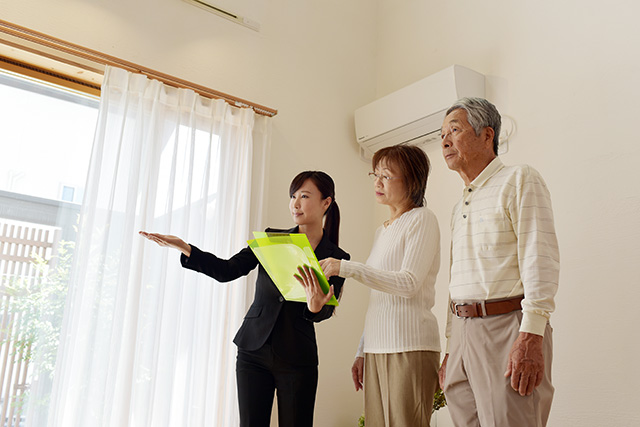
{"x": 104, "y": 59}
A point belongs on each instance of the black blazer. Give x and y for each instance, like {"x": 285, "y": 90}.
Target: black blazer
{"x": 288, "y": 324}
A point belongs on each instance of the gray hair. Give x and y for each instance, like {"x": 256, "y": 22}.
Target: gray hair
{"x": 480, "y": 114}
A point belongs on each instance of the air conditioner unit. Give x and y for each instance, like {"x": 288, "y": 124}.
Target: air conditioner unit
{"x": 414, "y": 113}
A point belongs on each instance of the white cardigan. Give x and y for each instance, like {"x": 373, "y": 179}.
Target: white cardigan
{"x": 401, "y": 271}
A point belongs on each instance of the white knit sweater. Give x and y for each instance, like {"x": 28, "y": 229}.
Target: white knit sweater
{"x": 401, "y": 272}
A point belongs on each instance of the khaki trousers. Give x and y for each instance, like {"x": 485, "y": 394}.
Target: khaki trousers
{"x": 477, "y": 392}
{"x": 399, "y": 388}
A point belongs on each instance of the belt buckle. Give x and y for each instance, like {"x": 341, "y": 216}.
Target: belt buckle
{"x": 454, "y": 306}
{"x": 483, "y": 313}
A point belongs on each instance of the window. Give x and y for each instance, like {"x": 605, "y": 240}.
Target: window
{"x": 47, "y": 134}
{"x": 67, "y": 193}
{"x": 225, "y": 151}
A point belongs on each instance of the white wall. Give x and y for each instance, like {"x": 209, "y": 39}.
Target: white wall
{"x": 313, "y": 61}
{"x": 569, "y": 74}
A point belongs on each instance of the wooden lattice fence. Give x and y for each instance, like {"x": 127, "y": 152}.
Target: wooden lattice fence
{"x": 20, "y": 244}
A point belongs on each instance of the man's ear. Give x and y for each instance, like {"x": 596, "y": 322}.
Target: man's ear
{"x": 489, "y": 133}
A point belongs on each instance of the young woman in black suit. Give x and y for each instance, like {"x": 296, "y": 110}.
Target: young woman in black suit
{"x": 276, "y": 343}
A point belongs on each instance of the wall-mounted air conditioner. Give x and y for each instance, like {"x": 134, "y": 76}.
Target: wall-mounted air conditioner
{"x": 414, "y": 113}
{"x": 238, "y": 11}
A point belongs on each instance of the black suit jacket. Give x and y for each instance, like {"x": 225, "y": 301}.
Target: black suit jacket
{"x": 289, "y": 324}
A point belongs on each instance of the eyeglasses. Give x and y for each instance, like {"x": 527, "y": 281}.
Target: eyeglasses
{"x": 384, "y": 178}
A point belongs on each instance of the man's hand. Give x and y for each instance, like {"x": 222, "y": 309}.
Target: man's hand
{"x": 357, "y": 371}
{"x": 442, "y": 372}
{"x": 526, "y": 363}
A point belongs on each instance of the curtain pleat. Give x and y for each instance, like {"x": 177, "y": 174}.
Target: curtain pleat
{"x": 145, "y": 342}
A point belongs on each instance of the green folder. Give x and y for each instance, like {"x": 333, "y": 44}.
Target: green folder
{"x": 281, "y": 254}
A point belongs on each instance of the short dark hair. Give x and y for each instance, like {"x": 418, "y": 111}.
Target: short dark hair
{"x": 480, "y": 114}
{"x": 413, "y": 163}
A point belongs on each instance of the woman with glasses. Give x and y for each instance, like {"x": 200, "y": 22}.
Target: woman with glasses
{"x": 399, "y": 350}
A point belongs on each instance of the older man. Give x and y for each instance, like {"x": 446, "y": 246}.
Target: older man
{"x": 504, "y": 276}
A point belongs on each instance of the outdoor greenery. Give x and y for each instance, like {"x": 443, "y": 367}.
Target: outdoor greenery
{"x": 39, "y": 305}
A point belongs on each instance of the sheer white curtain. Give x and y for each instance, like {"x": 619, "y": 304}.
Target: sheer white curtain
{"x": 144, "y": 342}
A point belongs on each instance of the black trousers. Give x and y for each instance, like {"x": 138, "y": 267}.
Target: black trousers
{"x": 259, "y": 374}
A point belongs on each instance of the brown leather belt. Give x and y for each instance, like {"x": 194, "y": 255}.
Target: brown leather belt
{"x": 486, "y": 308}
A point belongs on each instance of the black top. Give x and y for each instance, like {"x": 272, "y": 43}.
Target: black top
{"x": 289, "y": 324}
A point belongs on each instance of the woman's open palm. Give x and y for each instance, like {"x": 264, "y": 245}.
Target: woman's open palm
{"x": 169, "y": 241}
{"x": 316, "y": 298}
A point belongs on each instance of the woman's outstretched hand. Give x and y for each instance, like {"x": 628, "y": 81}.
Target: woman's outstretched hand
{"x": 316, "y": 298}
{"x": 168, "y": 241}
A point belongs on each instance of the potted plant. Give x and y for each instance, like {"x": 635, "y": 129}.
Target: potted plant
{"x": 439, "y": 401}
